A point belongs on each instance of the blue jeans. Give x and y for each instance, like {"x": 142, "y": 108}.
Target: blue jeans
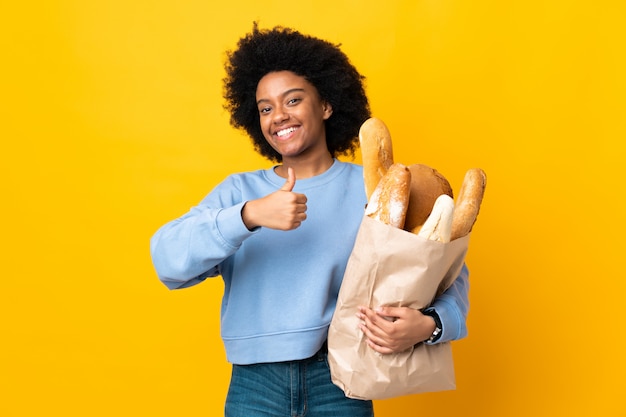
{"x": 290, "y": 389}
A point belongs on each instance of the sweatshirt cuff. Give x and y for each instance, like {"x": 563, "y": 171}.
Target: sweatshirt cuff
{"x": 231, "y": 226}
{"x": 451, "y": 328}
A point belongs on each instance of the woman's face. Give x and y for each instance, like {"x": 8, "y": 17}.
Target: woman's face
{"x": 292, "y": 115}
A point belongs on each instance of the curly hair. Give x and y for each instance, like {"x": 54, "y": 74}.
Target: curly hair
{"x": 320, "y": 62}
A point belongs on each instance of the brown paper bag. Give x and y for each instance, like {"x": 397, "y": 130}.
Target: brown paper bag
{"x": 391, "y": 267}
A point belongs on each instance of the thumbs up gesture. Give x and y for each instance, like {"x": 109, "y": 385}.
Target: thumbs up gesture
{"x": 282, "y": 210}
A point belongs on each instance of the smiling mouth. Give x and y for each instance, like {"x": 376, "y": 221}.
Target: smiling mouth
{"x": 285, "y": 132}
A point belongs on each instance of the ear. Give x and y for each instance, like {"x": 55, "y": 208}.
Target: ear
{"x": 328, "y": 110}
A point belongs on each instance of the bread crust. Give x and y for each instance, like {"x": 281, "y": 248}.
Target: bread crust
{"x": 376, "y": 152}
{"x": 438, "y": 226}
{"x": 427, "y": 184}
{"x": 390, "y": 199}
{"x": 468, "y": 202}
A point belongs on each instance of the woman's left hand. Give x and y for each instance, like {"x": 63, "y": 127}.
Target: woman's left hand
{"x": 394, "y": 329}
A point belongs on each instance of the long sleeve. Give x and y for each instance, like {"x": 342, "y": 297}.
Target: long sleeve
{"x": 452, "y": 307}
{"x": 189, "y": 249}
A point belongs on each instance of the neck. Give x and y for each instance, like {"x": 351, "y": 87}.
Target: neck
{"x": 305, "y": 169}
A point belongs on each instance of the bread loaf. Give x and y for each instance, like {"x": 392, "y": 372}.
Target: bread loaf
{"x": 427, "y": 184}
{"x": 468, "y": 202}
{"x": 376, "y": 151}
{"x": 438, "y": 225}
{"x": 390, "y": 199}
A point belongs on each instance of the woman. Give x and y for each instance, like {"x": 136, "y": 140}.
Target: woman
{"x": 281, "y": 237}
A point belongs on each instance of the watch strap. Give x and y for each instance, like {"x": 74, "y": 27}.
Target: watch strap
{"x": 436, "y": 335}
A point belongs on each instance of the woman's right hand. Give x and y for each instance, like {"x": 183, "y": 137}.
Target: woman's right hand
{"x": 281, "y": 210}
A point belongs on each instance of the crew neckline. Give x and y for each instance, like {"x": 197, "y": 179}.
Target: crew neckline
{"x": 314, "y": 181}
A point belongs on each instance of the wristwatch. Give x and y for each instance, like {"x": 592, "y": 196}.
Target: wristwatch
{"x": 438, "y": 327}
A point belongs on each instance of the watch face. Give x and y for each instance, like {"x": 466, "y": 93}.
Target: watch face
{"x": 435, "y": 335}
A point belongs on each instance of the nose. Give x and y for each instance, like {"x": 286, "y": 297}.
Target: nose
{"x": 280, "y": 115}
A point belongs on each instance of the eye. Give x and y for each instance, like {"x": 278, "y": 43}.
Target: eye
{"x": 264, "y": 110}
{"x": 293, "y": 101}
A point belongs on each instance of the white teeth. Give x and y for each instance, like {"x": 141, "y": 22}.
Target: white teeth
{"x": 285, "y": 131}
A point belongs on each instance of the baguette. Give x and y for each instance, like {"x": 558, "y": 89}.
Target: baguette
{"x": 376, "y": 151}
{"x": 390, "y": 199}
{"x": 468, "y": 202}
{"x": 438, "y": 226}
{"x": 427, "y": 184}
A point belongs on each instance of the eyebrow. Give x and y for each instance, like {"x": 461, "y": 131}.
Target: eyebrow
{"x": 286, "y": 93}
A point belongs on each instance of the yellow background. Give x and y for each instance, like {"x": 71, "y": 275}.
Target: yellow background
{"x": 112, "y": 124}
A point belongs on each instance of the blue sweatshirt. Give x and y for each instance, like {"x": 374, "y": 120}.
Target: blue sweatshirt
{"x": 280, "y": 286}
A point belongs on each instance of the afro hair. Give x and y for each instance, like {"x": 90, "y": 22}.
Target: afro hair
{"x": 320, "y": 62}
